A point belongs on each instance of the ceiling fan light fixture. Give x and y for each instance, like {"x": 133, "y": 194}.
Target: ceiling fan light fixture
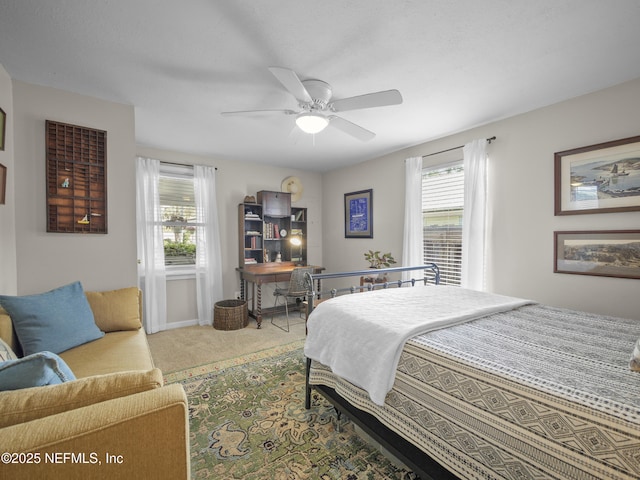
{"x": 311, "y": 122}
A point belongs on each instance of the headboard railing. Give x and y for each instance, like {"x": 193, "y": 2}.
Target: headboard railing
{"x": 431, "y": 273}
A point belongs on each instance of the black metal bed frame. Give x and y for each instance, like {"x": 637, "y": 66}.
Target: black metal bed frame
{"x": 414, "y": 458}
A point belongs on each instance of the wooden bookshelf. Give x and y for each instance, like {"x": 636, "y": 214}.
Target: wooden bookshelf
{"x": 266, "y": 228}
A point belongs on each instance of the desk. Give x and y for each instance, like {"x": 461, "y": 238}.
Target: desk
{"x": 265, "y": 273}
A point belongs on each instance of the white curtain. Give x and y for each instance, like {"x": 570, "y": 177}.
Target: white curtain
{"x": 474, "y": 221}
{"x": 412, "y": 247}
{"x": 151, "y": 270}
{"x": 208, "y": 252}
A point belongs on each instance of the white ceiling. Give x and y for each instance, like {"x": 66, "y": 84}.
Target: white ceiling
{"x": 457, "y": 64}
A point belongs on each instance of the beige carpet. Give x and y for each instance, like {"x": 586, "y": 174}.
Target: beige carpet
{"x": 187, "y": 347}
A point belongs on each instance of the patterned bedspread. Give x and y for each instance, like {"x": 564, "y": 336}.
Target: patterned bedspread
{"x": 534, "y": 393}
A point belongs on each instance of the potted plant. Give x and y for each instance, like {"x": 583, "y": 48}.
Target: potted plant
{"x": 377, "y": 260}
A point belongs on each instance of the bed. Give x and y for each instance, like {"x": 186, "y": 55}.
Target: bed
{"x": 517, "y": 390}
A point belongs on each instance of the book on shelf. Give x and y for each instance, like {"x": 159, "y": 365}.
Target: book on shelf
{"x": 255, "y": 242}
{"x": 248, "y": 261}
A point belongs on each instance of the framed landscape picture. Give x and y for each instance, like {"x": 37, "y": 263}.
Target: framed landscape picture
{"x": 606, "y": 253}
{"x": 599, "y": 178}
{"x": 3, "y": 127}
{"x": 358, "y": 214}
{"x": 3, "y": 184}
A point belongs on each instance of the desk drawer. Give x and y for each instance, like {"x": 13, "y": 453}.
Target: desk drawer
{"x": 282, "y": 277}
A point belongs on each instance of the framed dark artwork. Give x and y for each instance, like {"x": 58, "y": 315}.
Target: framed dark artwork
{"x": 605, "y": 253}
{"x": 3, "y": 128}
{"x": 3, "y": 184}
{"x": 600, "y": 178}
{"x": 358, "y": 214}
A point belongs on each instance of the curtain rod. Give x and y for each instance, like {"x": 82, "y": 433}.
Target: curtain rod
{"x": 183, "y": 164}
{"x": 491, "y": 139}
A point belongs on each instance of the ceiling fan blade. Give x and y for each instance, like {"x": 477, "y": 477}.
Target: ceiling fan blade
{"x": 351, "y": 128}
{"x": 257, "y": 113}
{"x": 292, "y": 83}
{"x": 369, "y": 100}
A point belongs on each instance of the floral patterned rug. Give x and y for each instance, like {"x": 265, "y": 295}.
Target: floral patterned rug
{"x": 248, "y": 421}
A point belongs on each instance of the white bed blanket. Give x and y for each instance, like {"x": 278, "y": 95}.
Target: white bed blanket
{"x": 361, "y": 336}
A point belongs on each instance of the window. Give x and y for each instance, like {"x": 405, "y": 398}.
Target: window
{"x": 177, "y": 202}
{"x": 442, "y": 208}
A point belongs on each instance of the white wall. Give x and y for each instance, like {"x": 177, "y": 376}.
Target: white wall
{"x": 520, "y": 261}
{"x": 33, "y": 260}
{"x": 48, "y": 260}
{"x": 235, "y": 180}
{"x": 8, "y": 273}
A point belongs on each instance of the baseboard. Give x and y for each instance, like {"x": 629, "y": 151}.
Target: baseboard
{"x": 182, "y": 323}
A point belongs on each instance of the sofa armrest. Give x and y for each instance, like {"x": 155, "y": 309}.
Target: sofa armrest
{"x": 19, "y": 406}
{"x": 145, "y": 435}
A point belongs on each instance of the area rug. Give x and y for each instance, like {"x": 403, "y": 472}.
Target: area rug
{"x": 248, "y": 421}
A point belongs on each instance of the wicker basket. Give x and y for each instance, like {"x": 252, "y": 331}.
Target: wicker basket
{"x": 230, "y": 315}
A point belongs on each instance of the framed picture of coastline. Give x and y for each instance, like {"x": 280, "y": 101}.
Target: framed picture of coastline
{"x": 358, "y": 214}
{"x": 600, "y": 178}
{"x": 606, "y": 253}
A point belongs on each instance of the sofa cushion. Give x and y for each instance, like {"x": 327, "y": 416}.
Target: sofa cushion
{"x": 7, "y": 333}
{"x": 37, "y": 370}
{"x": 5, "y": 352}
{"x": 115, "y": 352}
{"x": 33, "y": 403}
{"x": 54, "y": 321}
{"x": 116, "y": 309}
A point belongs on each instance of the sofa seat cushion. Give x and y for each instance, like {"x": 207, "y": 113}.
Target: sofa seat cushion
{"x": 32, "y": 403}
{"x": 115, "y": 352}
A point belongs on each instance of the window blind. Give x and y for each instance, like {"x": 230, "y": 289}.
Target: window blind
{"x": 442, "y": 210}
{"x": 177, "y": 202}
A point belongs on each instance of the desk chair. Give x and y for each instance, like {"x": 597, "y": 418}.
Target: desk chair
{"x": 298, "y": 288}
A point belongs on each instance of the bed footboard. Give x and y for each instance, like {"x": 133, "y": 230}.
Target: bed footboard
{"x": 409, "y": 454}
{"x": 422, "y": 274}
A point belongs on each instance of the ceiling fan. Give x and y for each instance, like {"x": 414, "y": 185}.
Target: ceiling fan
{"x": 317, "y": 107}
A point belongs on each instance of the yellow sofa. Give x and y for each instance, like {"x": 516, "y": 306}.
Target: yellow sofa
{"x": 115, "y": 421}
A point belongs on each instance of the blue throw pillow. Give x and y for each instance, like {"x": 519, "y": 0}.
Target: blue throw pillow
{"x": 37, "y": 370}
{"x": 54, "y": 321}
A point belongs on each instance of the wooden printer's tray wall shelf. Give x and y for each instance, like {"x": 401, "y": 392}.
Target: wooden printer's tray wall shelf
{"x": 76, "y": 179}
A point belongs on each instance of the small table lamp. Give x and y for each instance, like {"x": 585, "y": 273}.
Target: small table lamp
{"x": 296, "y": 240}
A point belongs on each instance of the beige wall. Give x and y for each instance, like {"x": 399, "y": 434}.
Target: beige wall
{"x": 521, "y": 184}
{"x": 8, "y": 275}
{"x": 48, "y": 260}
{"x": 235, "y": 180}
{"x": 521, "y": 198}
